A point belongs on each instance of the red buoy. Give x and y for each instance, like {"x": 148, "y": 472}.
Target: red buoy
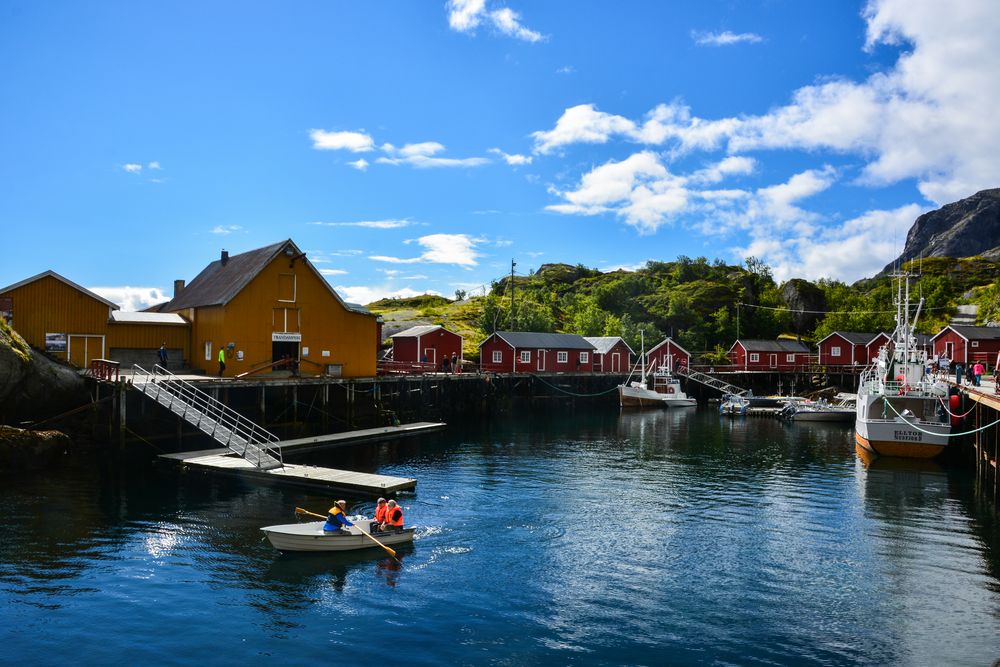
{"x": 953, "y": 405}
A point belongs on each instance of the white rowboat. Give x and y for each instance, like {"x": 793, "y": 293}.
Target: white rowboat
{"x": 310, "y": 536}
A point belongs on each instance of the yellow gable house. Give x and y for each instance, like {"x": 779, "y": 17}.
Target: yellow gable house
{"x": 271, "y": 304}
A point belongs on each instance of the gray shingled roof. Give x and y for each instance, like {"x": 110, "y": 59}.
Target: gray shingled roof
{"x": 419, "y": 330}
{"x": 523, "y": 339}
{"x": 603, "y": 344}
{"x": 977, "y": 333}
{"x": 854, "y": 337}
{"x": 773, "y": 345}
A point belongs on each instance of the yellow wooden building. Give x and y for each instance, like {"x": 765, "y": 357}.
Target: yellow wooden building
{"x": 70, "y": 322}
{"x": 268, "y": 304}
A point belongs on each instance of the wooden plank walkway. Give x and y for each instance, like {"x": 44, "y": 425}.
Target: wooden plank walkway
{"x": 224, "y": 462}
{"x": 362, "y": 435}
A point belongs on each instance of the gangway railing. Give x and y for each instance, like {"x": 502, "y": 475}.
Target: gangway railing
{"x": 212, "y": 417}
{"x": 709, "y": 381}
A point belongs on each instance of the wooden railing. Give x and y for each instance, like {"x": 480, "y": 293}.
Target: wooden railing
{"x": 103, "y": 369}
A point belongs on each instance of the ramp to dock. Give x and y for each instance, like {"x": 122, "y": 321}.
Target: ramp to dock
{"x": 299, "y": 445}
{"x": 225, "y": 462}
{"x": 709, "y": 381}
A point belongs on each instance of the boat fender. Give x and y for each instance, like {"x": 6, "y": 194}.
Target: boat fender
{"x": 954, "y": 402}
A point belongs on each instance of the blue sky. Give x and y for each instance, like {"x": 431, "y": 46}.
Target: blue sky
{"x": 413, "y": 147}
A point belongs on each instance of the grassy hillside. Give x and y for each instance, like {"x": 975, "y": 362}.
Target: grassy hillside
{"x": 702, "y": 304}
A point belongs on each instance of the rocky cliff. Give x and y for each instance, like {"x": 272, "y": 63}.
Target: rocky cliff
{"x": 32, "y": 386}
{"x": 964, "y": 228}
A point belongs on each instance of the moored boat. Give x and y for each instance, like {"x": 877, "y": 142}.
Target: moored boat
{"x": 818, "y": 411}
{"x": 665, "y": 392}
{"x": 310, "y": 536}
{"x": 900, "y": 409}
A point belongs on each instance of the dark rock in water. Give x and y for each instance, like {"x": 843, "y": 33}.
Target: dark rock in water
{"x": 965, "y": 228}
{"x": 32, "y": 386}
{"x": 802, "y": 295}
{"x": 30, "y": 450}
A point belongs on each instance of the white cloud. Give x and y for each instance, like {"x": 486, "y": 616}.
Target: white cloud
{"x": 370, "y": 224}
{"x": 457, "y": 249}
{"x": 132, "y": 299}
{"x": 422, "y": 149}
{"x": 132, "y": 168}
{"x": 365, "y": 294}
{"x": 356, "y": 142}
{"x": 467, "y": 15}
{"x": 225, "y": 230}
{"x": 724, "y": 38}
{"x": 333, "y": 272}
{"x": 360, "y": 164}
{"x": 512, "y": 159}
{"x": 154, "y": 165}
{"x": 566, "y": 69}
{"x": 581, "y": 124}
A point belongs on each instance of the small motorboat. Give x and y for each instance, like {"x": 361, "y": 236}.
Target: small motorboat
{"x": 817, "y": 411}
{"x": 310, "y": 536}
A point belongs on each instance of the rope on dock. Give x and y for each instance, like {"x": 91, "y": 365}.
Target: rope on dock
{"x": 946, "y": 435}
{"x": 572, "y": 393}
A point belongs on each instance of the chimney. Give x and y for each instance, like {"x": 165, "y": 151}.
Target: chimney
{"x": 225, "y": 257}
{"x": 178, "y": 288}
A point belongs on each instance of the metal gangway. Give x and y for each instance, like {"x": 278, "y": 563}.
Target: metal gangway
{"x": 212, "y": 417}
{"x": 709, "y": 381}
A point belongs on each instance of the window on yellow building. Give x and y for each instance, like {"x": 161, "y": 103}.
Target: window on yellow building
{"x": 286, "y": 287}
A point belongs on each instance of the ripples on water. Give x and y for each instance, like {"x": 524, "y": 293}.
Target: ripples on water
{"x": 673, "y": 537}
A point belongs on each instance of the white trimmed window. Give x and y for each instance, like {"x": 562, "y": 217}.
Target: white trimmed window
{"x": 562, "y": 357}
{"x": 975, "y": 343}
{"x": 497, "y": 356}
{"x": 790, "y": 358}
{"x": 525, "y": 356}
{"x": 835, "y": 351}
{"x": 585, "y": 357}
{"x": 754, "y": 357}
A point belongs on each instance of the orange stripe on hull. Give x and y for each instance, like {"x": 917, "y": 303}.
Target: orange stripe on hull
{"x": 905, "y": 450}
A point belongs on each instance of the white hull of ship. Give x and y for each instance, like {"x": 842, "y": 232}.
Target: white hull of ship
{"x": 640, "y": 397}
{"x": 903, "y": 437}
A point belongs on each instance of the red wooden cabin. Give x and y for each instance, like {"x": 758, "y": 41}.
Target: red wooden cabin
{"x": 612, "y": 354}
{"x": 527, "y": 352}
{"x": 769, "y": 355}
{"x": 429, "y": 344}
{"x": 965, "y": 345}
{"x": 667, "y": 354}
{"x": 845, "y": 348}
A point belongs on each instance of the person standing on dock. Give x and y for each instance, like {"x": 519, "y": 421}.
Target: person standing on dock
{"x": 393, "y": 517}
{"x": 222, "y": 360}
{"x": 163, "y": 355}
{"x": 978, "y": 370}
{"x": 336, "y": 518}
{"x": 454, "y": 362}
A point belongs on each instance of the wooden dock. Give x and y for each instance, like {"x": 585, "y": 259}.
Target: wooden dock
{"x": 353, "y": 437}
{"x": 222, "y": 461}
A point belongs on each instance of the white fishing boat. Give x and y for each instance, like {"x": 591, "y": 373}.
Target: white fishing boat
{"x": 817, "y": 411}
{"x": 900, "y": 409}
{"x": 310, "y": 536}
{"x": 665, "y": 392}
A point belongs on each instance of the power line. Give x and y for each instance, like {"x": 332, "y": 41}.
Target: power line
{"x": 832, "y": 312}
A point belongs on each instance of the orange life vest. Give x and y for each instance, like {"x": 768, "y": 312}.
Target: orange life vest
{"x": 380, "y": 511}
{"x": 394, "y": 517}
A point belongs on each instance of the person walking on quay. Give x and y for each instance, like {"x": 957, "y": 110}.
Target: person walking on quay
{"x": 163, "y": 355}
{"x": 978, "y": 370}
{"x": 959, "y": 372}
{"x": 336, "y": 518}
{"x": 222, "y": 360}
{"x": 969, "y": 377}
{"x": 454, "y": 362}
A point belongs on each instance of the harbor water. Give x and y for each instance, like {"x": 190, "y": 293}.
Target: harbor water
{"x": 587, "y": 538}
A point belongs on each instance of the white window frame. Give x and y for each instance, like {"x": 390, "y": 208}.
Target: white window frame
{"x": 975, "y": 343}
{"x": 525, "y": 356}
{"x": 497, "y": 356}
{"x": 790, "y": 358}
{"x": 835, "y": 351}
{"x": 754, "y": 358}
{"x": 295, "y": 287}
{"x": 562, "y": 357}
{"x": 584, "y": 357}
{"x": 208, "y": 350}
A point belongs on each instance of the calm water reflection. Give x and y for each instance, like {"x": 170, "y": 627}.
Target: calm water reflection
{"x": 673, "y": 537}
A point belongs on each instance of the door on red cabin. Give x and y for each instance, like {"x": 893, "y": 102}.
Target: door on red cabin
{"x": 541, "y": 360}
{"x": 773, "y": 359}
{"x": 616, "y": 362}
{"x": 430, "y": 355}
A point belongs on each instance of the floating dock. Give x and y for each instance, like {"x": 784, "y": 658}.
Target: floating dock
{"x": 222, "y": 461}
{"x": 300, "y": 445}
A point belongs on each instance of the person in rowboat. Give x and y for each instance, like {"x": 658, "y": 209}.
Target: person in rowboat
{"x": 393, "y": 517}
{"x": 380, "y": 511}
{"x": 336, "y": 518}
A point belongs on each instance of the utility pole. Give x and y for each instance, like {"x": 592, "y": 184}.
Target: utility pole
{"x": 512, "y": 265}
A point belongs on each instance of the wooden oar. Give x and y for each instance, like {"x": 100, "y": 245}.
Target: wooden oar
{"x": 299, "y": 510}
